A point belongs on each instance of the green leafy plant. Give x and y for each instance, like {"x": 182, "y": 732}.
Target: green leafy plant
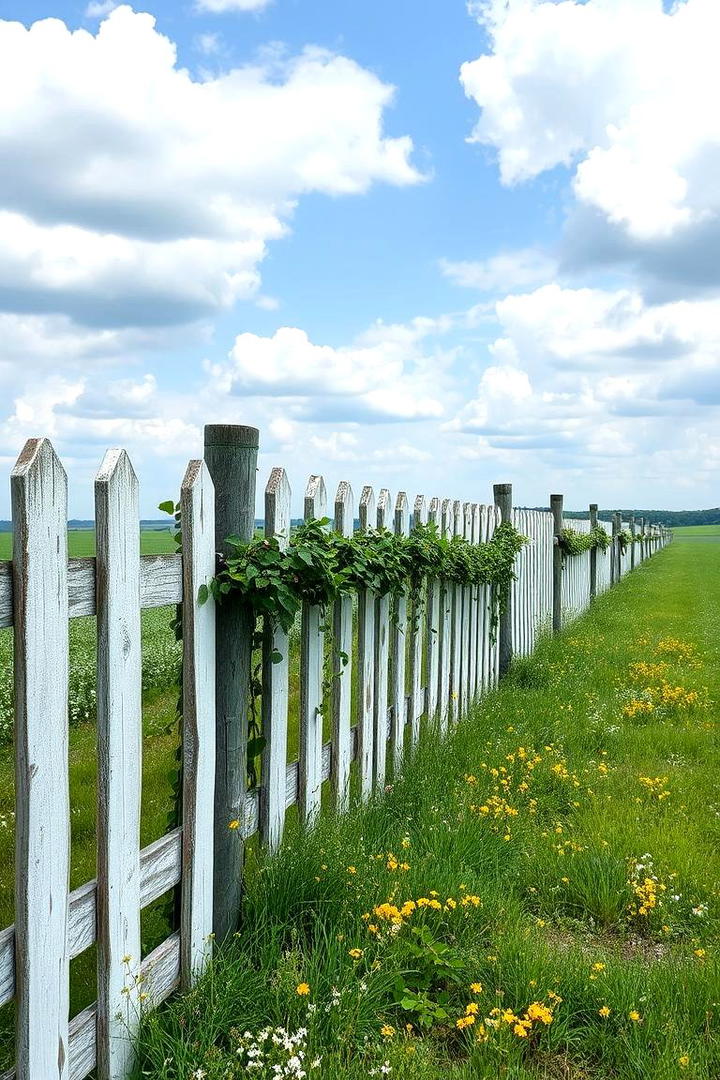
{"x": 573, "y": 542}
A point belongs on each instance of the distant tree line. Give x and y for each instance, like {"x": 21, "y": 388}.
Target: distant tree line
{"x": 671, "y": 518}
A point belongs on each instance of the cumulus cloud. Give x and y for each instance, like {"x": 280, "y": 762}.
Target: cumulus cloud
{"x": 386, "y": 374}
{"x": 579, "y": 370}
{"x": 622, "y": 94}
{"x": 133, "y": 193}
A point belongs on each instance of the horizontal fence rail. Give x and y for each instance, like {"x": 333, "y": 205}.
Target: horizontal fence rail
{"x": 420, "y": 662}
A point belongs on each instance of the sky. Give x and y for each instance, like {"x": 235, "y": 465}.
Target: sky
{"x": 423, "y": 246}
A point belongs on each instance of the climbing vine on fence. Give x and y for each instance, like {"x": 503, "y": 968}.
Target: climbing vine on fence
{"x": 573, "y": 542}
{"x": 318, "y": 566}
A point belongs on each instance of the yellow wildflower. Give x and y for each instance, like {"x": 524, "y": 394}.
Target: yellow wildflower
{"x": 303, "y": 989}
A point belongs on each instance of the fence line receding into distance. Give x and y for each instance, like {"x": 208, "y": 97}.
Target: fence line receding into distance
{"x": 414, "y": 671}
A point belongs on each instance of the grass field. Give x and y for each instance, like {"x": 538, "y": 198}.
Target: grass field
{"x": 686, "y": 532}
{"x": 537, "y": 898}
{"x": 81, "y": 543}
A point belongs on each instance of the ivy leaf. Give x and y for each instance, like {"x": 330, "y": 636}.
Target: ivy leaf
{"x": 256, "y": 746}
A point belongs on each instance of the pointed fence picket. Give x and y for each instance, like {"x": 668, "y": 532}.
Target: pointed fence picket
{"x": 119, "y": 731}
{"x": 312, "y": 655}
{"x": 434, "y": 659}
{"x": 401, "y": 527}
{"x": 382, "y": 662}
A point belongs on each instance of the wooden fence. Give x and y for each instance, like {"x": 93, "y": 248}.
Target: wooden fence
{"x": 409, "y": 673}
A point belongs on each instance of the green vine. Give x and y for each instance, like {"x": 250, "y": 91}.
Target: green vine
{"x": 317, "y": 566}
{"x": 573, "y": 542}
{"x": 624, "y": 538}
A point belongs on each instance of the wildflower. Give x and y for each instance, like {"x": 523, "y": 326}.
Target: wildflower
{"x": 521, "y": 1030}
{"x": 634, "y": 1015}
{"x": 598, "y": 967}
{"x": 303, "y": 989}
{"x": 476, "y": 988}
{"x": 387, "y": 1031}
{"x": 472, "y": 1009}
{"x": 234, "y": 824}
{"x": 355, "y": 953}
{"x": 538, "y": 1011}
{"x": 464, "y": 1022}
{"x": 604, "y": 1012}
{"x": 700, "y": 953}
{"x": 352, "y": 870}
{"x": 684, "y": 1061}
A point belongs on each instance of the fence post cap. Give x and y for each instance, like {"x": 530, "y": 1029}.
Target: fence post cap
{"x": 231, "y": 435}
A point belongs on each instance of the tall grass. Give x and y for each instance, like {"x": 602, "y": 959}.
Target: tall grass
{"x": 525, "y": 901}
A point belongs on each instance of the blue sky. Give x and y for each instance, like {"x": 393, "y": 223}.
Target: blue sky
{"x": 423, "y": 246}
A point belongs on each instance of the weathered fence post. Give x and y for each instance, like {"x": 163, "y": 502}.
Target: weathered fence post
{"x": 312, "y": 644}
{"x": 276, "y": 674}
{"x": 38, "y": 488}
{"x": 231, "y": 458}
{"x": 401, "y": 527}
{"x": 593, "y": 553}
{"x": 366, "y": 661}
{"x": 632, "y": 542}
{"x": 119, "y": 730}
{"x": 197, "y": 503}
{"x": 503, "y": 501}
{"x": 615, "y": 551}
{"x": 556, "y": 507}
{"x": 382, "y": 660}
{"x": 642, "y": 539}
{"x": 341, "y": 757}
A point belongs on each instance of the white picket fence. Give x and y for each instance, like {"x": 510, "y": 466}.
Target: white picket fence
{"x": 410, "y": 672}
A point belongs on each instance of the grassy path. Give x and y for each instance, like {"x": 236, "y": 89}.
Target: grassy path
{"x": 536, "y": 898}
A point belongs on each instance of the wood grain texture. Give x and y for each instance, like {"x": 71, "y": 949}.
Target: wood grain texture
{"x": 466, "y": 655}
{"x": 42, "y": 830}
{"x": 366, "y": 661}
{"x": 342, "y": 666}
{"x": 312, "y": 653}
{"x": 276, "y": 673}
{"x": 401, "y": 527}
{"x": 417, "y": 626}
{"x": 473, "y": 534}
{"x": 119, "y": 729}
{"x": 231, "y": 457}
{"x": 446, "y": 606}
{"x": 456, "y": 647}
{"x": 160, "y": 584}
{"x": 160, "y": 870}
{"x": 556, "y": 508}
{"x": 432, "y": 626}
{"x": 382, "y": 656}
{"x": 197, "y": 506}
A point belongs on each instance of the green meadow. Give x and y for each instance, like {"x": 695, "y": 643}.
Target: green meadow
{"x": 536, "y": 897}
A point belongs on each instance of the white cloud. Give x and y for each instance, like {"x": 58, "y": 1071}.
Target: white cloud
{"x": 220, "y": 7}
{"x": 587, "y": 373}
{"x": 501, "y": 273}
{"x": 625, "y": 93}
{"x": 131, "y": 188}
{"x": 384, "y": 375}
